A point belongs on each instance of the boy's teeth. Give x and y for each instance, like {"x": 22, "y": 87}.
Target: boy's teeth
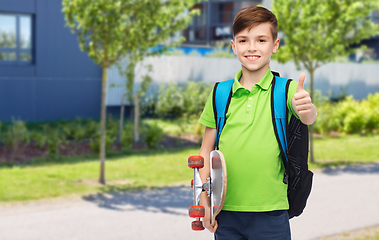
{"x": 252, "y": 57}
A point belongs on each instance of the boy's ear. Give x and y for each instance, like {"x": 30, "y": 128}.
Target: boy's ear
{"x": 276, "y": 46}
{"x": 233, "y": 46}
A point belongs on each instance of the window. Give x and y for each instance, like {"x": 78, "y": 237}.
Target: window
{"x": 222, "y": 15}
{"x": 215, "y": 21}
{"x": 15, "y": 38}
{"x": 197, "y": 31}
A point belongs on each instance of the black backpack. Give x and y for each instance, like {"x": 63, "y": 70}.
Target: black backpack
{"x": 292, "y": 138}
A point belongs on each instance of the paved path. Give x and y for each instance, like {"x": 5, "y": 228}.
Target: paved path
{"x": 342, "y": 199}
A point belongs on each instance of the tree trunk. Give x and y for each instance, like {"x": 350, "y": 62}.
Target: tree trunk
{"x": 136, "y": 118}
{"x": 121, "y": 125}
{"x": 103, "y": 125}
{"x": 312, "y": 159}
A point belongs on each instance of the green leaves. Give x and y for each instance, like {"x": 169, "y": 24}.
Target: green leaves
{"x": 110, "y": 29}
{"x": 176, "y": 100}
{"x": 319, "y": 31}
{"x": 349, "y": 116}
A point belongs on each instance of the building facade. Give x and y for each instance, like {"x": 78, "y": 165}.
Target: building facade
{"x": 215, "y": 21}
{"x": 43, "y": 74}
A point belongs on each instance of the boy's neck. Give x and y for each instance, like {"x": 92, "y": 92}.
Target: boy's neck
{"x": 250, "y": 78}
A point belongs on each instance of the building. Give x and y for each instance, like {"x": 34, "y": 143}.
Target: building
{"x": 44, "y": 75}
{"x": 215, "y": 20}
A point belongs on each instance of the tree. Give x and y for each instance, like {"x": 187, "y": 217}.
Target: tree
{"x": 316, "y": 32}
{"x": 129, "y": 72}
{"x": 107, "y": 29}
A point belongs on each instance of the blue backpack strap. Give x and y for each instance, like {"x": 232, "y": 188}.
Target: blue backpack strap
{"x": 222, "y": 94}
{"x": 279, "y": 110}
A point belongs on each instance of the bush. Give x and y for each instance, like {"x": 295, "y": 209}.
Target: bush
{"x": 75, "y": 129}
{"x": 127, "y": 137}
{"x": 152, "y": 135}
{"x": 372, "y": 111}
{"x": 349, "y": 116}
{"x": 39, "y": 138}
{"x": 112, "y": 124}
{"x": 69, "y": 129}
{"x": 16, "y": 134}
{"x": 80, "y": 133}
{"x": 53, "y": 141}
{"x": 94, "y": 143}
{"x": 175, "y": 101}
{"x": 342, "y": 110}
{"x": 170, "y": 101}
{"x": 195, "y": 97}
{"x": 92, "y": 127}
{"x": 325, "y": 122}
{"x": 355, "y": 122}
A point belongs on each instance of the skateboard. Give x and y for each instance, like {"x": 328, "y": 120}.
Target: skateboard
{"x": 215, "y": 187}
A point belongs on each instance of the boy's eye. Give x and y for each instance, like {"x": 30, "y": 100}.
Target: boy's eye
{"x": 242, "y": 41}
{"x": 262, "y": 40}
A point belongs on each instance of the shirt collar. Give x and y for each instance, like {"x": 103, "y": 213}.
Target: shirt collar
{"x": 264, "y": 83}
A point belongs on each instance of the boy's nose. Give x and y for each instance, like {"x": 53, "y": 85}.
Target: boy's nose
{"x": 252, "y": 47}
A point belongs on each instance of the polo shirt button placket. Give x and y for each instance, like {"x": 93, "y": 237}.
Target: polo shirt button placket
{"x": 249, "y": 105}
{"x": 252, "y": 103}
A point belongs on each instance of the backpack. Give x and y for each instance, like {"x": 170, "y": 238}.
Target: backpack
{"x": 292, "y": 138}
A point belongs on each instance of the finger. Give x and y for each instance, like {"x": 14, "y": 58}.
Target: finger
{"x": 302, "y": 101}
{"x": 304, "y": 107}
{"x": 302, "y": 95}
{"x": 300, "y": 85}
{"x": 211, "y": 228}
{"x": 304, "y": 112}
{"x": 215, "y": 226}
{"x": 207, "y": 225}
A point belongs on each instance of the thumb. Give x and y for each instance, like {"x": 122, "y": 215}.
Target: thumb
{"x": 300, "y": 85}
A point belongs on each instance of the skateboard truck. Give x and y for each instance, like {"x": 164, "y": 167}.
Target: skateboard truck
{"x": 215, "y": 187}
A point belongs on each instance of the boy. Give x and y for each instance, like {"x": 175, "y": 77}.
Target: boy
{"x": 256, "y": 200}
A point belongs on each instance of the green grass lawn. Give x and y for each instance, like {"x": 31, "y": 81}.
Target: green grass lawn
{"x": 136, "y": 170}
{"x": 354, "y": 149}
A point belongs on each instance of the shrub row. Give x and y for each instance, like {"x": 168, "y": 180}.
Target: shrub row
{"x": 55, "y": 136}
{"x": 349, "y": 116}
{"x": 178, "y": 101}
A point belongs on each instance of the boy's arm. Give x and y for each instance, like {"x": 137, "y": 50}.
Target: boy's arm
{"x": 302, "y": 103}
{"x": 207, "y": 146}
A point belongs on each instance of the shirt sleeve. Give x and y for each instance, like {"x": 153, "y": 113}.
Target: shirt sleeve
{"x": 207, "y": 116}
{"x": 291, "y": 92}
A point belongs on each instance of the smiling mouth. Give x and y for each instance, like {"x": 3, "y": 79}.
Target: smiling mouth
{"x": 252, "y": 58}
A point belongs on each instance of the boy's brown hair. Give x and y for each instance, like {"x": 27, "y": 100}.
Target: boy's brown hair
{"x": 249, "y": 17}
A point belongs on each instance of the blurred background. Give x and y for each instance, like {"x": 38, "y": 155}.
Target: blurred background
{"x": 52, "y": 82}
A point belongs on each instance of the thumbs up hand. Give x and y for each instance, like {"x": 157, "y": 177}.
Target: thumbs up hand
{"x": 302, "y": 101}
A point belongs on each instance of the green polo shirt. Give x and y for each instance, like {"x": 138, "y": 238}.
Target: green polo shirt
{"x": 254, "y": 166}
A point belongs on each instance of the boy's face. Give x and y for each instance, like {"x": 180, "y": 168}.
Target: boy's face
{"x": 253, "y": 48}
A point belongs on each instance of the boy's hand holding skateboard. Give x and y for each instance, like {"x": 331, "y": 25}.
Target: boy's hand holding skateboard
{"x": 302, "y": 103}
{"x": 207, "y": 221}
